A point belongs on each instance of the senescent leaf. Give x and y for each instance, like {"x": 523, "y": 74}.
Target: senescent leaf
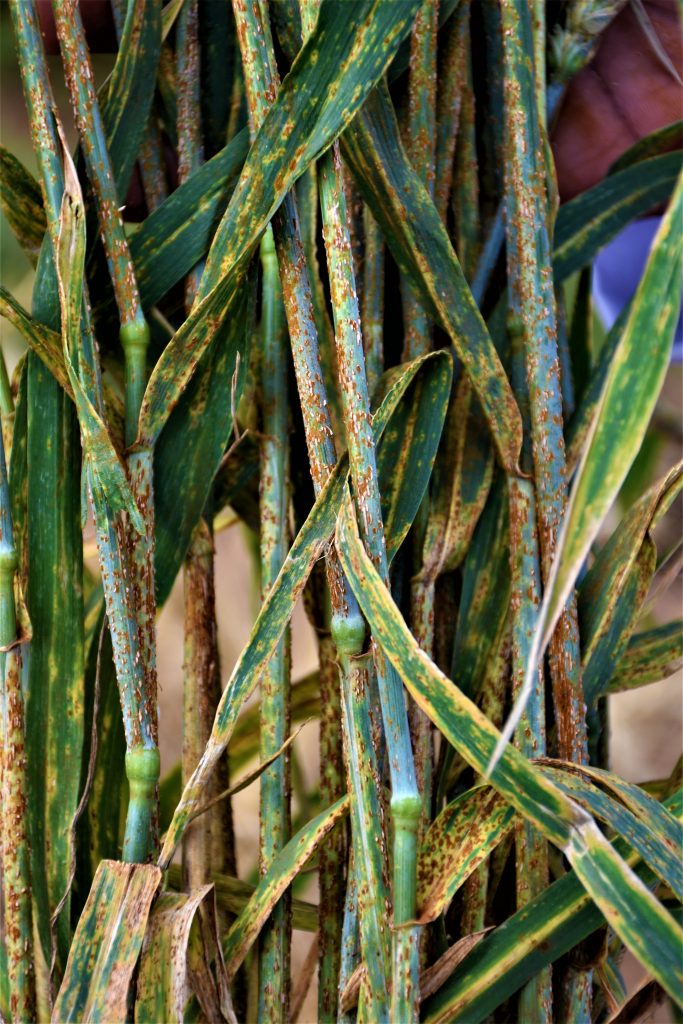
{"x": 180, "y": 943}
{"x": 107, "y": 944}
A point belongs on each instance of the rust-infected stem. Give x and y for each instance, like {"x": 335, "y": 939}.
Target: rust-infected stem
{"x": 274, "y": 965}
{"x": 142, "y": 763}
{"x": 347, "y": 625}
{"x": 14, "y": 842}
{"x": 81, "y": 86}
{"x": 405, "y": 799}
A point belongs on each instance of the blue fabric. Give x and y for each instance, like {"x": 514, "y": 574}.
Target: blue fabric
{"x": 618, "y": 269}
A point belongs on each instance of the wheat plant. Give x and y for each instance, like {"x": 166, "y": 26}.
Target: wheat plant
{"x": 356, "y": 316}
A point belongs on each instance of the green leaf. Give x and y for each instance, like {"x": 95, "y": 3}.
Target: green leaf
{"x": 420, "y": 244}
{"x": 642, "y": 836}
{"x": 22, "y": 204}
{"x": 100, "y": 828}
{"x": 542, "y": 931}
{"x": 637, "y": 917}
{"x": 485, "y": 592}
{"x": 220, "y": 71}
{"x": 640, "y": 921}
{"x": 655, "y": 816}
{"x": 47, "y": 345}
{"x": 601, "y": 601}
{"x": 627, "y": 401}
{"x": 579, "y": 425}
{"x": 283, "y": 869}
{"x": 590, "y": 221}
{"x": 107, "y": 944}
{"x": 45, "y": 342}
{"x": 341, "y": 61}
{"x": 54, "y": 594}
{"x": 461, "y": 484}
{"x": 620, "y": 624}
{"x": 279, "y": 603}
{"x": 660, "y": 141}
{"x": 649, "y": 657}
{"x": 406, "y": 455}
{"x": 107, "y": 470}
{"x": 178, "y": 234}
{"x": 457, "y": 842}
{"x": 189, "y": 450}
{"x": 128, "y": 101}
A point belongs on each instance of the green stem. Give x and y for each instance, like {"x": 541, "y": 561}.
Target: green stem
{"x": 139, "y": 713}
{"x": 572, "y": 47}
{"x": 535, "y": 1000}
{"x": 261, "y": 82}
{"x": 8, "y": 562}
{"x": 366, "y": 812}
{"x": 142, "y": 770}
{"x": 134, "y": 339}
{"x": 350, "y": 949}
{"x": 405, "y": 799}
{"x": 307, "y": 193}
{"x": 422, "y": 593}
{"x": 274, "y": 981}
{"x": 199, "y": 648}
{"x": 494, "y": 692}
{"x": 41, "y": 109}
{"x": 207, "y": 844}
